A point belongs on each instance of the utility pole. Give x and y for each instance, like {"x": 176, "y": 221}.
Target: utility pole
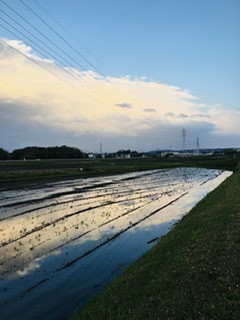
{"x": 183, "y": 133}
{"x": 101, "y": 149}
{"x": 197, "y": 146}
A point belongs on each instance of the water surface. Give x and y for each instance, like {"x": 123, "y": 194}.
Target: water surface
{"x": 62, "y": 243}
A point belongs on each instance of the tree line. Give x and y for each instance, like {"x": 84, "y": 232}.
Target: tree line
{"x": 34, "y": 153}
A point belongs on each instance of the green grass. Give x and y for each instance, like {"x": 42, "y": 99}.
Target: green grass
{"x": 25, "y": 171}
{"x": 192, "y": 273}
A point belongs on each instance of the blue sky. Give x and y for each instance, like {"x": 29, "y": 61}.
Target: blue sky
{"x": 193, "y": 46}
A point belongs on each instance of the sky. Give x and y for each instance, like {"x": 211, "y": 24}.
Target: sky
{"x": 127, "y": 74}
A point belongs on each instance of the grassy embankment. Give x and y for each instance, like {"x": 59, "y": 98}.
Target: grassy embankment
{"x": 192, "y": 273}
{"x": 24, "y": 171}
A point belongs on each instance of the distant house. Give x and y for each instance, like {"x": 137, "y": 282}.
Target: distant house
{"x": 163, "y": 154}
{"x": 173, "y": 154}
{"x": 123, "y": 156}
{"x": 208, "y": 153}
{"x": 167, "y": 155}
{"x": 91, "y": 156}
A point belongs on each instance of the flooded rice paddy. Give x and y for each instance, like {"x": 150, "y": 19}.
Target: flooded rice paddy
{"x": 62, "y": 243}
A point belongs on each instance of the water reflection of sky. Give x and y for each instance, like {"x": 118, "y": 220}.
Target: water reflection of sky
{"x": 82, "y": 234}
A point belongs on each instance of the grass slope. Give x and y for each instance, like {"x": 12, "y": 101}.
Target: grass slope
{"x": 192, "y": 273}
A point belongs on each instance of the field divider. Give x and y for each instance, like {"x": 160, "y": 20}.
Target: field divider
{"x": 118, "y": 234}
{"x": 75, "y": 200}
{"x": 80, "y": 190}
{"x": 70, "y": 263}
{"x": 68, "y": 216}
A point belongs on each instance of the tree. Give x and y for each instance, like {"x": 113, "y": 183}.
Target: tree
{"x": 4, "y": 155}
{"x": 62, "y": 152}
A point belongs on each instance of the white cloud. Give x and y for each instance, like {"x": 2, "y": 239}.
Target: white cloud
{"x": 225, "y": 121}
{"x": 94, "y": 105}
{"x": 23, "y": 48}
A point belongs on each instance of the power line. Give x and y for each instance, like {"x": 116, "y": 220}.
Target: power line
{"x": 53, "y": 73}
{"x": 85, "y": 59}
{"x": 146, "y": 122}
{"x": 37, "y": 38}
{"x": 143, "y": 121}
{"x": 44, "y": 67}
{"x": 43, "y": 35}
{"x": 41, "y": 48}
{"x": 74, "y": 38}
{"x": 34, "y": 61}
{"x": 65, "y": 41}
{"x": 49, "y": 40}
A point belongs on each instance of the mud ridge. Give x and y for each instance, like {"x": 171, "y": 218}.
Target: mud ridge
{"x": 80, "y": 199}
{"x": 68, "y": 264}
{"x": 68, "y": 216}
{"x": 79, "y": 190}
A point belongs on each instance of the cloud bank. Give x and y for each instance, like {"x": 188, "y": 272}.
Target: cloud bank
{"x": 67, "y": 105}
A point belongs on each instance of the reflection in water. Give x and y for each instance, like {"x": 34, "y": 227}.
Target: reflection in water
{"x": 66, "y": 241}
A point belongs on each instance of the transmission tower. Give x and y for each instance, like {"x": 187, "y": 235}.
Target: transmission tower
{"x": 184, "y": 133}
